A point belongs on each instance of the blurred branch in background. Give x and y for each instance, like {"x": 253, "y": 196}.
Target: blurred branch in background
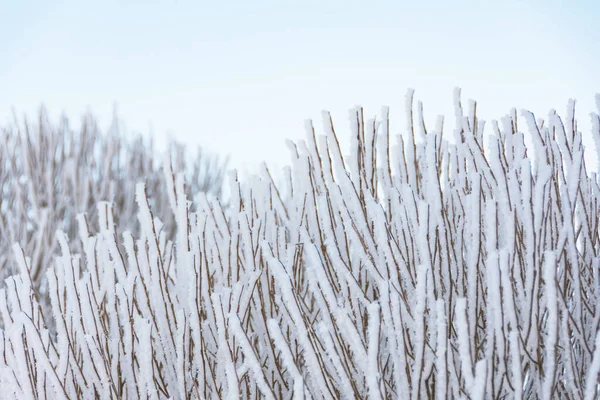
{"x": 49, "y": 173}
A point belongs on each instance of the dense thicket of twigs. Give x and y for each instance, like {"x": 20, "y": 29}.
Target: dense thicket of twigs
{"x": 50, "y": 173}
{"x": 413, "y": 268}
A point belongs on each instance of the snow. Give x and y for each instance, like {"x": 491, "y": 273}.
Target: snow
{"x": 414, "y": 267}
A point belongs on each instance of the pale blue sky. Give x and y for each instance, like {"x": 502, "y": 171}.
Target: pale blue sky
{"x": 241, "y": 77}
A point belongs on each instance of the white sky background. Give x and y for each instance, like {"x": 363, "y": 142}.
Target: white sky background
{"x": 240, "y": 77}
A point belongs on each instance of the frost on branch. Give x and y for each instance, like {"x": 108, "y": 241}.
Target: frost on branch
{"x": 418, "y": 267}
{"x": 50, "y": 173}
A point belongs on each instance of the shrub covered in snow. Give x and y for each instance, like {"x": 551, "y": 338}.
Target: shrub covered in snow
{"x": 50, "y": 173}
{"x": 414, "y": 268}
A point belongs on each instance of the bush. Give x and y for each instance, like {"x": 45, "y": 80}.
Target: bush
{"x": 428, "y": 268}
{"x": 50, "y": 173}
